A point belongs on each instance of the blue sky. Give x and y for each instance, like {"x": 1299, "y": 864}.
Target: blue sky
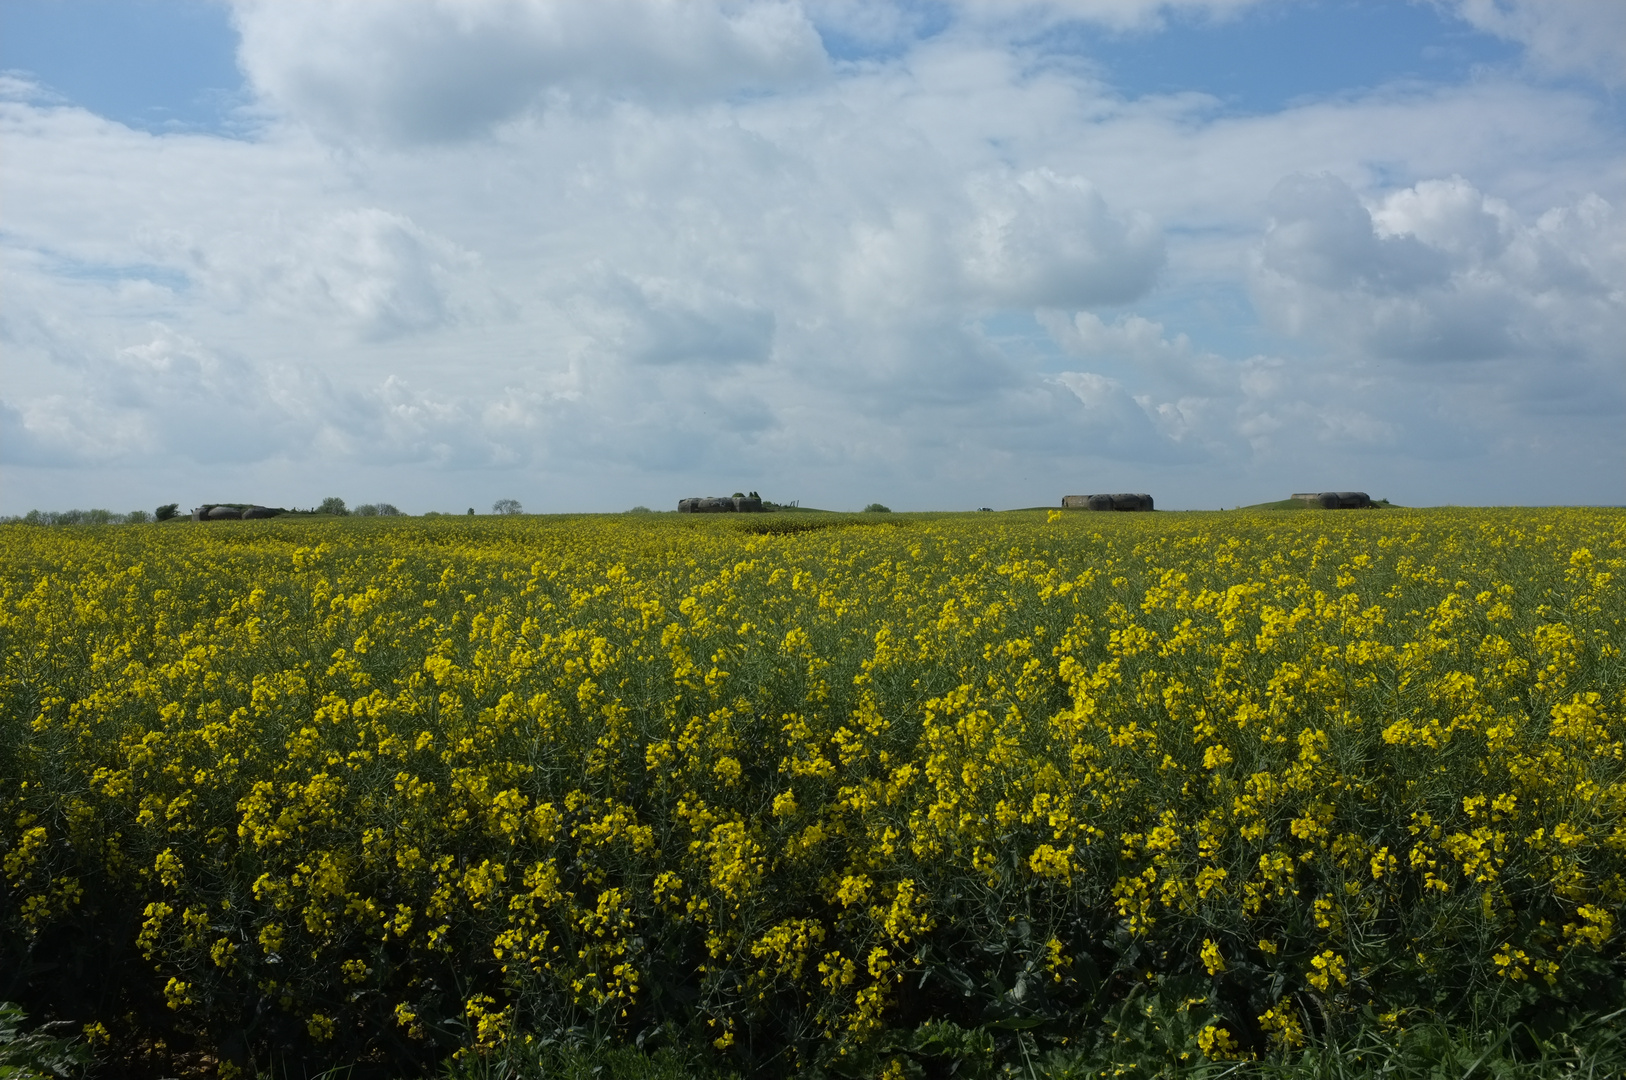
{"x": 152, "y": 64}
{"x": 1269, "y": 57}
{"x": 588, "y": 256}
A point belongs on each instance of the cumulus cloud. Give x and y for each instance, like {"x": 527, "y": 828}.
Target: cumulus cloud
{"x": 663, "y": 321}
{"x": 170, "y": 397}
{"x": 1110, "y": 422}
{"x": 1032, "y": 239}
{"x": 369, "y": 269}
{"x": 1440, "y": 272}
{"x": 1045, "y": 240}
{"x": 169, "y": 394}
{"x": 413, "y": 71}
{"x": 1186, "y": 397}
{"x": 1320, "y": 234}
{"x": 1168, "y": 400}
{"x": 1142, "y": 344}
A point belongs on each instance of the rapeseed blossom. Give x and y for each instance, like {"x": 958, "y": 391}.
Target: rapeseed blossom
{"x": 458, "y": 782}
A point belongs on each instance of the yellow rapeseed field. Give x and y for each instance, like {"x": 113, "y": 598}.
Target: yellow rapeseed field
{"x": 390, "y": 787}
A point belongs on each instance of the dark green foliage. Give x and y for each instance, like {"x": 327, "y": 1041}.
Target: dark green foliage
{"x": 574, "y": 1055}
{"x": 783, "y": 527}
{"x": 1576, "y": 1045}
{"x": 47, "y": 1051}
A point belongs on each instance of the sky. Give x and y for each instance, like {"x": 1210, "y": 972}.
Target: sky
{"x": 935, "y": 255}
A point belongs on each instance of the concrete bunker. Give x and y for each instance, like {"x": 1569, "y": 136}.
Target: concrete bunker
{"x": 721, "y": 504}
{"x": 1335, "y": 500}
{"x": 1127, "y": 502}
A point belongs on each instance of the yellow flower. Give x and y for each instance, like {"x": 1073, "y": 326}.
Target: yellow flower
{"x": 806, "y": 743}
{"x": 1281, "y": 1023}
{"x": 1218, "y": 1044}
{"x": 1327, "y": 969}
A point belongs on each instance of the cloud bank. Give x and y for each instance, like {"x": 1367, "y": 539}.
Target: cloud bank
{"x": 590, "y": 255}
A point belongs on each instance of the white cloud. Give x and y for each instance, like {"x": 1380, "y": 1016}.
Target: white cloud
{"x": 1111, "y": 423}
{"x": 664, "y": 321}
{"x": 437, "y": 70}
{"x": 1439, "y": 272}
{"x": 169, "y": 394}
{"x": 1566, "y": 37}
{"x": 374, "y": 271}
{"x": 1320, "y": 234}
{"x": 170, "y": 398}
{"x": 1044, "y": 240}
{"x": 1119, "y": 15}
{"x": 18, "y": 87}
{"x": 1144, "y": 345}
{"x": 1187, "y": 398}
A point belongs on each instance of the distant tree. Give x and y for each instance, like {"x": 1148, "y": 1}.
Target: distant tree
{"x": 471, "y": 511}
{"x": 81, "y": 517}
{"x": 332, "y": 505}
{"x": 739, "y": 494}
{"x": 167, "y": 511}
{"x": 388, "y": 510}
{"x": 640, "y": 510}
{"x": 137, "y": 517}
{"x": 506, "y": 506}
{"x": 877, "y": 508}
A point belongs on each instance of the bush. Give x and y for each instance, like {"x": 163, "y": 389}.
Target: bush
{"x": 877, "y": 508}
{"x": 382, "y": 509}
{"x": 333, "y": 505}
{"x": 167, "y": 511}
